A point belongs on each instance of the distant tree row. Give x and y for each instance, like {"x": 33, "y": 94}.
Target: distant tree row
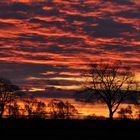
{"x": 31, "y": 108}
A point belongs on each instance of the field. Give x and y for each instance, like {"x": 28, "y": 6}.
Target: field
{"x": 67, "y": 129}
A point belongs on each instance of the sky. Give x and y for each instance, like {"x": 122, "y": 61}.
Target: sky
{"x": 46, "y": 44}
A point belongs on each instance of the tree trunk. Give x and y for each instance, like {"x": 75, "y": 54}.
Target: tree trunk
{"x": 111, "y": 114}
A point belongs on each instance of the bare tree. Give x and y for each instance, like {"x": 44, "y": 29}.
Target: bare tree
{"x": 29, "y": 107}
{"x": 56, "y": 109}
{"x": 7, "y": 94}
{"x": 112, "y": 82}
{"x": 61, "y": 110}
{"x": 13, "y": 110}
{"x": 35, "y": 109}
{"x": 40, "y": 110}
{"x": 70, "y": 110}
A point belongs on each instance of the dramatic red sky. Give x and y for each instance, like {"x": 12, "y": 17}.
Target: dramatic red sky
{"x": 46, "y": 43}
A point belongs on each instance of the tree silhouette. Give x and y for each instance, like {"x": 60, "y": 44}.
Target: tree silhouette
{"x": 70, "y": 110}
{"x": 125, "y": 113}
{"x": 111, "y": 82}
{"x": 40, "y": 110}
{"x": 35, "y": 109}
{"x": 13, "y": 110}
{"x": 61, "y": 110}
{"x": 29, "y": 106}
{"x": 56, "y": 109}
{"x": 137, "y": 113}
{"x": 7, "y": 94}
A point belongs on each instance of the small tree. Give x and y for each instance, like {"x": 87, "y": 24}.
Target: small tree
{"x": 70, "y": 110}
{"x": 61, "y": 110}
{"x": 35, "y": 109}
{"x": 125, "y": 113}
{"x": 13, "y": 110}
{"x": 112, "y": 82}
{"x": 7, "y": 94}
{"x": 40, "y": 110}
{"x": 56, "y": 109}
{"x": 29, "y": 106}
{"x": 137, "y": 113}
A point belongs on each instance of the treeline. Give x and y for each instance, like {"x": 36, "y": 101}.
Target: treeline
{"x": 32, "y": 108}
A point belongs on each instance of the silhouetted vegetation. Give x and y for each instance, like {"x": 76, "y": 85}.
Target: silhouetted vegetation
{"x": 34, "y": 108}
{"x": 7, "y": 94}
{"x": 125, "y": 113}
{"x": 112, "y": 82}
{"x": 137, "y": 106}
{"x": 56, "y": 119}
{"x": 13, "y": 110}
{"x": 61, "y": 110}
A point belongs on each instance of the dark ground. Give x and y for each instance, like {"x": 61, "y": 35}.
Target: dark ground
{"x": 68, "y": 129}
